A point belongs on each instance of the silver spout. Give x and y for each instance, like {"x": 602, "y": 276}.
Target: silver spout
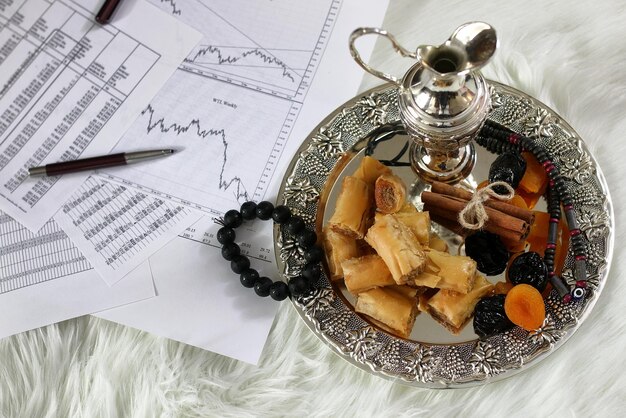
{"x": 469, "y": 48}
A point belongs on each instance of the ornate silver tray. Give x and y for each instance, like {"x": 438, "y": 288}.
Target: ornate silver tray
{"x": 430, "y": 359}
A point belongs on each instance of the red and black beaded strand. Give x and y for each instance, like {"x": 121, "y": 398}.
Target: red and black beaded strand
{"x": 240, "y": 264}
{"x": 554, "y": 210}
{"x": 497, "y": 139}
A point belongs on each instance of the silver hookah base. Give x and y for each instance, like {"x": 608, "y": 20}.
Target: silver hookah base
{"x": 449, "y": 167}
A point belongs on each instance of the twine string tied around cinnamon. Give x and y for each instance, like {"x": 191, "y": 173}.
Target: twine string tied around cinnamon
{"x": 473, "y": 216}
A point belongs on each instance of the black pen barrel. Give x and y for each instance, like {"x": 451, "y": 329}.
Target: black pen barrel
{"x": 106, "y": 11}
{"x": 85, "y": 164}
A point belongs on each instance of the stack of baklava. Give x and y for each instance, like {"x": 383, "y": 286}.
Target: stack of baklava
{"x": 385, "y": 252}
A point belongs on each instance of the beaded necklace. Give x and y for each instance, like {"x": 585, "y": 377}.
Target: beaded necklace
{"x": 240, "y": 264}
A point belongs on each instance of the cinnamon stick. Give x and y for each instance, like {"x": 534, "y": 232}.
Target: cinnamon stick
{"x": 507, "y": 235}
{"x": 500, "y": 223}
{"x": 521, "y": 213}
{"x": 455, "y": 227}
{"x": 451, "y": 225}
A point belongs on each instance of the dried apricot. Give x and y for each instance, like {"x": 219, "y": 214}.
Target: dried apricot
{"x": 518, "y": 201}
{"x": 534, "y": 182}
{"x": 538, "y": 235}
{"x": 524, "y": 306}
{"x": 531, "y": 199}
{"x": 502, "y": 288}
{"x": 535, "y": 179}
{"x": 482, "y": 184}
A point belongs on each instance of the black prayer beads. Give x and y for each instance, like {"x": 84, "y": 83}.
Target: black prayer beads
{"x": 240, "y": 264}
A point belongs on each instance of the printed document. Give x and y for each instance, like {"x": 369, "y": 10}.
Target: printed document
{"x": 120, "y": 227}
{"x": 69, "y": 88}
{"x": 45, "y": 279}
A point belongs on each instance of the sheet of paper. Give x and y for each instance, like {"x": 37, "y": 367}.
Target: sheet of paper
{"x": 140, "y": 226}
{"x": 239, "y": 131}
{"x": 69, "y": 88}
{"x": 45, "y": 279}
{"x": 205, "y": 306}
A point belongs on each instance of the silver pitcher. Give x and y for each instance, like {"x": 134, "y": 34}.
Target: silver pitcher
{"x": 443, "y": 99}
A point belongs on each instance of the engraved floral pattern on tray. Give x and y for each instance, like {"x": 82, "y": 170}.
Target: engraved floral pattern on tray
{"x": 462, "y": 364}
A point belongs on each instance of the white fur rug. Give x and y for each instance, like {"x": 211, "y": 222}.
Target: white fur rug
{"x": 572, "y": 56}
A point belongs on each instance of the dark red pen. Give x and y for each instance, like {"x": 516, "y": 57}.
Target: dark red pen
{"x": 93, "y": 163}
{"x": 106, "y": 11}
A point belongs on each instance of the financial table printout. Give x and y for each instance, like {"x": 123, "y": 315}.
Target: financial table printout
{"x": 63, "y": 81}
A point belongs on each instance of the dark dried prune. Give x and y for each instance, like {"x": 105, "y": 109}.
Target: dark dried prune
{"x": 488, "y": 251}
{"x": 509, "y": 167}
{"x": 529, "y": 268}
{"x": 490, "y": 318}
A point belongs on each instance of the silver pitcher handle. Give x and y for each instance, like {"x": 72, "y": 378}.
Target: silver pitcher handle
{"x": 376, "y": 31}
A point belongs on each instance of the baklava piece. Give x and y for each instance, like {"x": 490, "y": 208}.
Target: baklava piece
{"x": 398, "y": 247}
{"x": 456, "y": 272}
{"x": 370, "y": 169}
{"x": 393, "y": 309}
{"x": 365, "y": 273}
{"x": 452, "y": 309}
{"x": 389, "y": 193}
{"x": 338, "y": 248}
{"x": 418, "y": 223}
{"x": 352, "y": 208}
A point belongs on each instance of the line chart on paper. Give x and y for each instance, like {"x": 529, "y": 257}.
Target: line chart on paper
{"x": 274, "y": 50}
{"x": 237, "y": 96}
{"x": 171, "y": 6}
{"x": 216, "y": 135}
{"x": 243, "y": 64}
{"x": 228, "y": 142}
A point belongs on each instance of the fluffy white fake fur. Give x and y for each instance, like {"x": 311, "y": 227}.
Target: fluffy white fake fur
{"x": 570, "y": 55}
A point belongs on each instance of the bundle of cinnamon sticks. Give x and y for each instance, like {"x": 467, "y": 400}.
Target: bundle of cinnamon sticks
{"x": 510, "y": 222}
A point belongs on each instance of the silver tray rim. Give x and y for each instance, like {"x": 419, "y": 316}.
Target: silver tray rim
{"x": 363, "y": 362}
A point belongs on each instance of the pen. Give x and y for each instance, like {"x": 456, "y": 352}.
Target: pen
{"x": 106, "y": 11}
{"x": 112, "y": 160}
